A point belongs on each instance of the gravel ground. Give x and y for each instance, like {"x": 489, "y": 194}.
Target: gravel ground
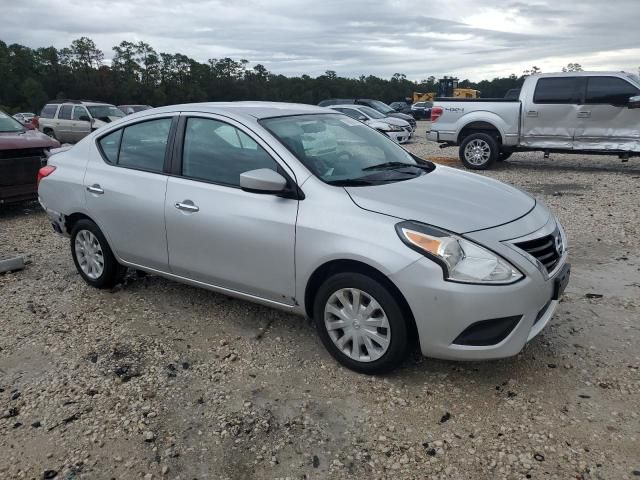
{"x": 159, "y": 380}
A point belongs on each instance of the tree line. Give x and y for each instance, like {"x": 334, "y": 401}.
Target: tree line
{"x": 138, "y": 74}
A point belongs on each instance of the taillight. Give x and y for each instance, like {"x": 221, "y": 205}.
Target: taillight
{"x": 44, "y": 172}
{"x": 436, "y": 113}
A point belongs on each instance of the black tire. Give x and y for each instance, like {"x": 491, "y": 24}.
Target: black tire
{"x": 483, "y": 140}
{"x": 112, "y": 272}
{"x": 398, "y": 323}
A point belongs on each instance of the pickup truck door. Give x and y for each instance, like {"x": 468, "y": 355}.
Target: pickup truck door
{"x": 605, "y": 120}
{"x": 549, "y": 113}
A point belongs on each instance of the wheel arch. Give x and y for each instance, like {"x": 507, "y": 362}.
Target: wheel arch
{"x": 333, "y": 267}
{"x": 480, "y": 126}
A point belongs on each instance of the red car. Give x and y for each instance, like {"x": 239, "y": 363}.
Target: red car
{"x": 23, "y": 151}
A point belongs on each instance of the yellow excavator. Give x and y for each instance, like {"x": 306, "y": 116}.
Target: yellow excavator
{"x": 447, "y": 87}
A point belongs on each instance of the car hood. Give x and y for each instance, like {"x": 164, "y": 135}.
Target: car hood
{"x": 26, "y": 139}
{"x": 403, "y": 116}
{"x": 395, "y": 121}
{"x": 457, "y": 201}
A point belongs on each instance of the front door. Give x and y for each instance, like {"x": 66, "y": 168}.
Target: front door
{"x": 218, "y": 233}
{"x": 549, "y": 115}
{"x": 125, "y": 190}
{"x": 606, "y": 122}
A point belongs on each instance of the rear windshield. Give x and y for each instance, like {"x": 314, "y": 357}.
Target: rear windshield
{"x": 371, "y": 112}
{"x": 49, "y": 111}
{"x": 8, "y": 124}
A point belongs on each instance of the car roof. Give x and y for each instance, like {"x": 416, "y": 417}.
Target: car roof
{"x": 253, "y": 109}
{"x": 582, "y": 74}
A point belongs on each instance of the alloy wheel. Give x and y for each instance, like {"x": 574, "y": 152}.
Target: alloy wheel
{"x": 477, "y": 152}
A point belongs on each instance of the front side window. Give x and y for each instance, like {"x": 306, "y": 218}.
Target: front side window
{"x": 342, "y": 151}
{"x": 563, "y": 90}
{"x": 79, "y": 112}
{"x": 609, "y": 90}
{"x": 217, "y": 152}
{"x": 49, "y": 111}
{"x": 65, "y": 112}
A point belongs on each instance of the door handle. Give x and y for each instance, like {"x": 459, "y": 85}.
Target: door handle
{"x": 187, "y": 206}
{"x": 95, "y": 188}
{"x": 532, "y": 113}
{"x": 584, "y": 114}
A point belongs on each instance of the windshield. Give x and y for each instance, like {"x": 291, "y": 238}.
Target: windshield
{"x": 381, "y": 106}
{"x": 105, "y": 111}
{"x": 371, "y": 112}
{"x": 342, "y": 151}
{"x": 9, "y": 124}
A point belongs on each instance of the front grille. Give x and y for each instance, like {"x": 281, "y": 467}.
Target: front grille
{"x": 544, "y": 249}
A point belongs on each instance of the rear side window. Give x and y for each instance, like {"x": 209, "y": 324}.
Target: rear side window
{"x": 49, "y": 111}
{"x": 218, "y": 152}
{"x": 142, "y": 146}
{"x": 557, "y": 90}
{"x": 609, "y": 90}
{"x": 110, "y": 145}
{"x": 65, "y": 112}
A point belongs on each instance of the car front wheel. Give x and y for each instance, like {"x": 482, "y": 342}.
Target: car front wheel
{"x": 360, "y": 323}
{"x": 92, "y": 256}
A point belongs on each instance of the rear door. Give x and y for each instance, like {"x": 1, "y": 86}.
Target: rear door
{"x": 64, "y": 130}
{"x": 218, "y": 233}
{"x": 605, "y": 120}
{"x": 81, "y": 123}
{"x": 550, "y": 113}
{"x": 125, "y": 186}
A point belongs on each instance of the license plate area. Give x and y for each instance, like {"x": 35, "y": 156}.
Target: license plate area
{"x": 561, "y": 281}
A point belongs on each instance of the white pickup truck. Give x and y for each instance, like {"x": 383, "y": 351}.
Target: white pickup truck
{"x": 577, "y": 112}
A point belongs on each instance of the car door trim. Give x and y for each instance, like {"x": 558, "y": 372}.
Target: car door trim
{"x": 216, "y": 288}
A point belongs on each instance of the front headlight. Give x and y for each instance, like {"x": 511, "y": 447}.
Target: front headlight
{"x": 460, "y": 259}
{"x": 390, "y": 128}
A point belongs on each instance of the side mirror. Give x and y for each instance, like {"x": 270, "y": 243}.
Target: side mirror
{"x": 84, "y": 118}
{"x": 262, "y": 180}
{"x": 634, "y": 102}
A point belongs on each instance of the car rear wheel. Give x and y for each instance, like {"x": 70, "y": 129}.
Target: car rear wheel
{"x": 479, "y": 151}
{"x": 92, "y": 256}
{"x": 360, "y": 323}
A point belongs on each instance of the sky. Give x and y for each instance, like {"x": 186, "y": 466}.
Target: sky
{"x": 465, "y": 38}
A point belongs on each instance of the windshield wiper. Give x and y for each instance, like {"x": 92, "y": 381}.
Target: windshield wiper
{"x": 394, "y": 165}
{"x": 350, "y": 182}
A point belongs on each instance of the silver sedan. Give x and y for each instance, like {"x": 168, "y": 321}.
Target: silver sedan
{"x": 311, "y": 211}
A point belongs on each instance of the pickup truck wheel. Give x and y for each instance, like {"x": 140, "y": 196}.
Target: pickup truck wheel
{"x": 92, "y": 256}
{"x": 361, "y": 323}
{"x": 479, "y": 151}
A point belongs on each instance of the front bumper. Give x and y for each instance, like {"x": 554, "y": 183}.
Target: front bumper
{"x": 399, "y": 137}
{"x": 443, "y": 309}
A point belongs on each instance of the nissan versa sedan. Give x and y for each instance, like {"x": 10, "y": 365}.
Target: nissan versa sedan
{"x": 311, "y": 211}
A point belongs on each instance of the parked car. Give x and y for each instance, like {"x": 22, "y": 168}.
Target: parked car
{"x": 71, "y": 120}
{"x": 401, "y": 107}
{"x": 24, "y": 117}
{"x": 381, "y": 107}
{"x": 310, "y": 211}
{"x": 22, "y": 153}
{"x": 422, "y": 110}
{"x": 129, "y": 109}
{"x": 396, "y": 129}
{"x": 574, "y": 112}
